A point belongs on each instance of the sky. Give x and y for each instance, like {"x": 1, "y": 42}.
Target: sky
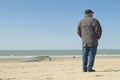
{"x": 52, "y": 24}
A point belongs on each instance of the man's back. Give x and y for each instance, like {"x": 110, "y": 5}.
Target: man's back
{"x": 90, "y": 31}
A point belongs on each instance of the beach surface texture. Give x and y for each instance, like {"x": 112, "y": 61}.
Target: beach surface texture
{"x": 60, "y": 68}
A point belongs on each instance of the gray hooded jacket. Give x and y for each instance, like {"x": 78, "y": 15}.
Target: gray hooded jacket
{"x": 89, "y": 29}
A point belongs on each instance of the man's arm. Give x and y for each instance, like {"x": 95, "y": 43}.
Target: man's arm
{"x": 79, "y": 30}
{"x": 98, "y": 29}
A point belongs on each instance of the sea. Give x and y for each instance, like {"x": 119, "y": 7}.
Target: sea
{"x": 52, "y": 53}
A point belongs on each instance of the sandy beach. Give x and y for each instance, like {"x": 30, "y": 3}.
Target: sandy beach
{"x": 66, "y": 68}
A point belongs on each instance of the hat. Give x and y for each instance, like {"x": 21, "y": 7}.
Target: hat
{"x": 88, "y": 11}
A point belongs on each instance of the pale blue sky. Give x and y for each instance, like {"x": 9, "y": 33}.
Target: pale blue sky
{"x": 52, "y": 24}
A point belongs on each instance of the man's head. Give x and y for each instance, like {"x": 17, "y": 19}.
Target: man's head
{"x": 89, "y": 12}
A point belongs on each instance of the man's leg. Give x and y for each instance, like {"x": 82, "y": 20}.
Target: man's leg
{"x": 91, "y": 58}
{"x": 85, "y": 52}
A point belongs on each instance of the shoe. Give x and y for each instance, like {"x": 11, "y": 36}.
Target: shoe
{"x": 91, "y": 70}
{"x": 84, "y": 70}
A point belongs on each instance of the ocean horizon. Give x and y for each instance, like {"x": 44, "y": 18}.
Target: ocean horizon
{"x": 52, "y": 53}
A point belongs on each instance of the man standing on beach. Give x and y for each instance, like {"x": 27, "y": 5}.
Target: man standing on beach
{"x": 89, "y": 29}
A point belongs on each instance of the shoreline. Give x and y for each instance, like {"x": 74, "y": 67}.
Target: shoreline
{"x": 48, "y": 58}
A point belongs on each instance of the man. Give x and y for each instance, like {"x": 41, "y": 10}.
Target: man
{"x": 89, "y": 29}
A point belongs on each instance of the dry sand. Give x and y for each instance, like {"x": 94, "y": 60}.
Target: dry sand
{"x": 107, "y": 68}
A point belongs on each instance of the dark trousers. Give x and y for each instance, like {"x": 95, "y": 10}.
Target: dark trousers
{"x": 88, "y": 57}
